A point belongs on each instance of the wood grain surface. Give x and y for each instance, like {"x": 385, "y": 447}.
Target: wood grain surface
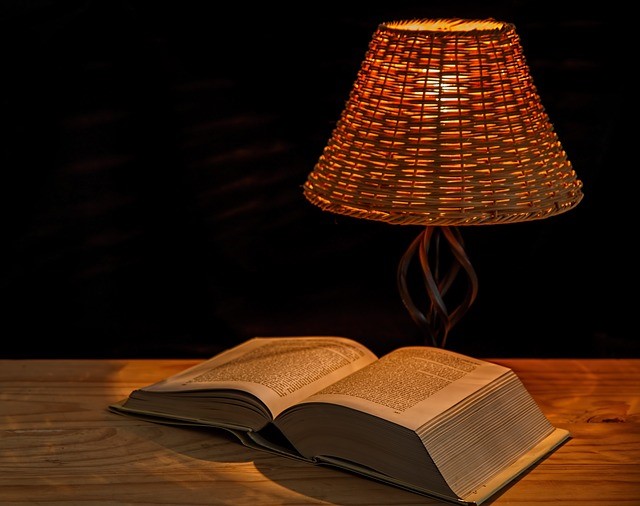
{"x": 60, "y": 445}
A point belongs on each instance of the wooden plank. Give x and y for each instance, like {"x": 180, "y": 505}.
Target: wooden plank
{"x": 58, "y": 443}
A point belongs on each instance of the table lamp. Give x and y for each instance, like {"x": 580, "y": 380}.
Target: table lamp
{"x": 443, "y": 128}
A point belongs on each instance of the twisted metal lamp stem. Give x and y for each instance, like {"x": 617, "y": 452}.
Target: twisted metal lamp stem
{"x": 437, "y": 320}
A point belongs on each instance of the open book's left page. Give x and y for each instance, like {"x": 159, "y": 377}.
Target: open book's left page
{"x": 279, "y": 371}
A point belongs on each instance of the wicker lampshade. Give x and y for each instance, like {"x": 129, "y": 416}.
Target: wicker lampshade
{"x": 444, "y": 126}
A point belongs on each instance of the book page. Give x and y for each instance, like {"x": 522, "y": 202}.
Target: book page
{"x": 278, "y": 370}
{"x": 411, "y": 385}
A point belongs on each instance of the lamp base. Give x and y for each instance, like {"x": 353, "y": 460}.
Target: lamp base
{"x": 438, "y": 279}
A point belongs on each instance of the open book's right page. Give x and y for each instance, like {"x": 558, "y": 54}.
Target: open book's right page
{"x": 396, "y": 386}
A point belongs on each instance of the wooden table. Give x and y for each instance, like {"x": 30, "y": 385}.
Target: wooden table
{"x": 60, "y": 445}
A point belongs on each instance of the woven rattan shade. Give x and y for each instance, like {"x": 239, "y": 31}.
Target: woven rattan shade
{"x": 444, "y": 126}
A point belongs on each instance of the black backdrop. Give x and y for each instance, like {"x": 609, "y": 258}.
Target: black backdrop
{"x": 152, "y": 161}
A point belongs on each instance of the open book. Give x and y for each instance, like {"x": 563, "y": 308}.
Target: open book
{"x": 425, "y": 419}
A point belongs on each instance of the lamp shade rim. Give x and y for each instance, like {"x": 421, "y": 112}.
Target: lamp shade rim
{"x": 446, "y": 25}
{"x": 452, "y": 217}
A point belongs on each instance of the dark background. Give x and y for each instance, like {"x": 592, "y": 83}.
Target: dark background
{"x": 153, "y": 155}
